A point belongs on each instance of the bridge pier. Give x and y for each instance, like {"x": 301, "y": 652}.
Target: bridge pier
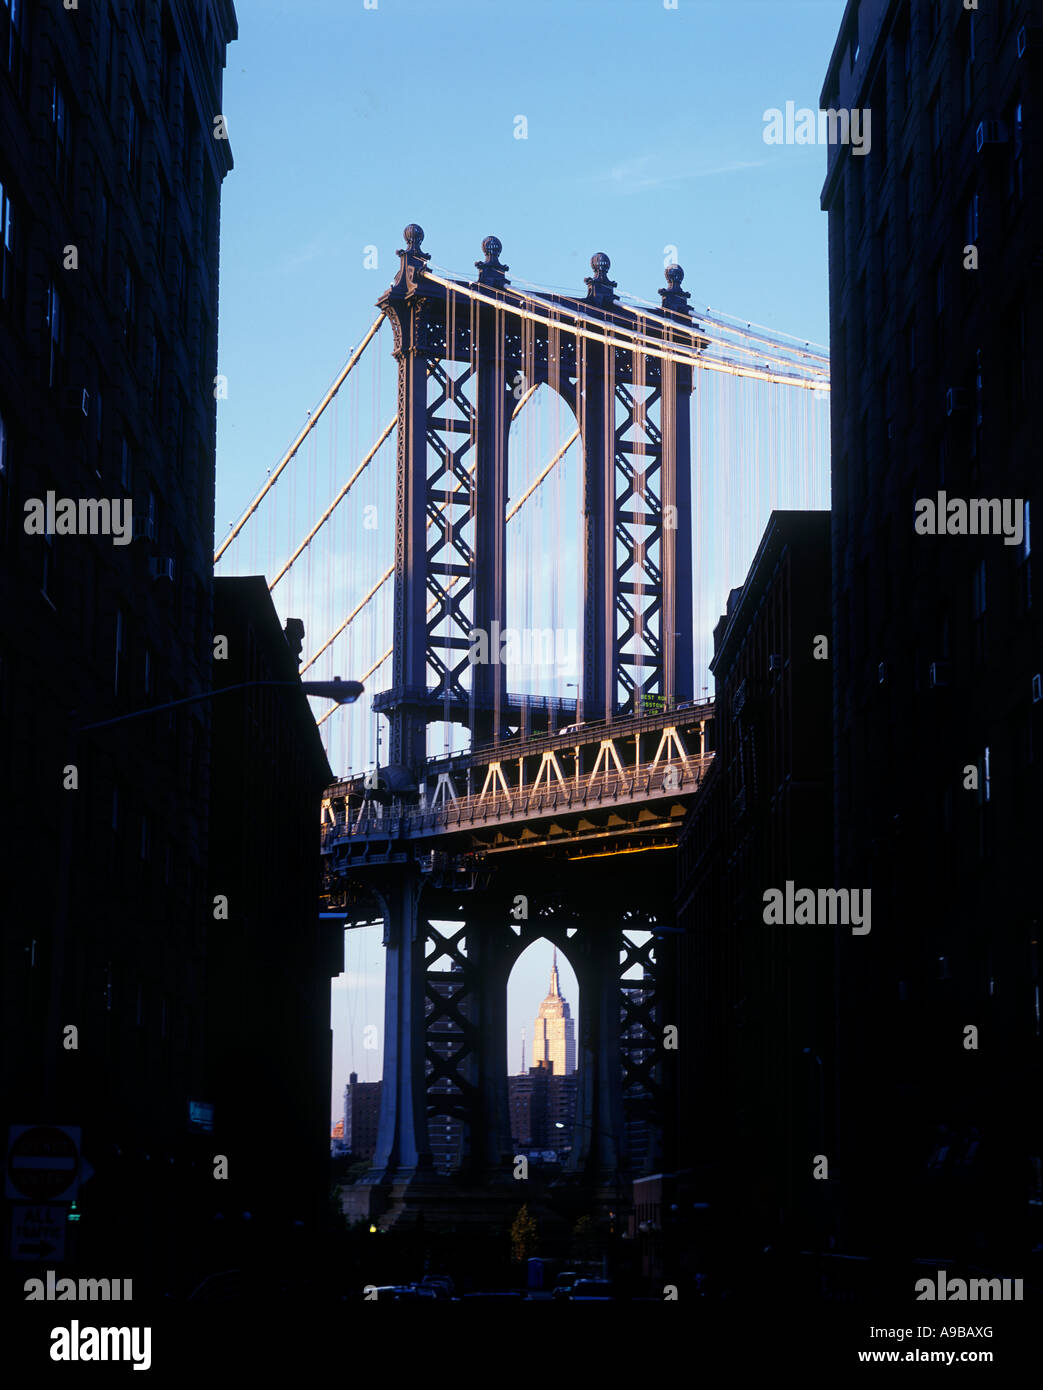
{"x": 402, "y": 1148}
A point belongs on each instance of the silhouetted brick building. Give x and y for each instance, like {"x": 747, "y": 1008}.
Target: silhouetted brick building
{"x": 270, "y": 960}
{"x": 110, "y": 181}
{"x": 935, "y": 306}
{"x": 756, "y": 1006}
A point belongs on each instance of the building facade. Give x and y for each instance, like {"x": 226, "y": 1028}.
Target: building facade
{"x": 756, "y": 1007}
{"x": 110, "y": 184}
{"x": 935, "y": 288}
{"x": 361, "y": 1116}
{"x": 269, "y": 957}
{"x": 542, "y": 1110}
{"x": 554, "y": 1032}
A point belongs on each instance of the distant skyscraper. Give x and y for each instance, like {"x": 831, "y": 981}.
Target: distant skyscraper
{"x": 554, "y": 1041}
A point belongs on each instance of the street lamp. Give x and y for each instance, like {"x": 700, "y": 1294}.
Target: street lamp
{"x": 342, "y": 692}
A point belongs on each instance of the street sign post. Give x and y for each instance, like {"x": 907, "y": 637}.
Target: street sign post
{"x": 38, "y": 1232}
{"x": 43, "y": 1163}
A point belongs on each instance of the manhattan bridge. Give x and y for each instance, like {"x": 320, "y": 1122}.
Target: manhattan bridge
{"x": 526, "y": 495}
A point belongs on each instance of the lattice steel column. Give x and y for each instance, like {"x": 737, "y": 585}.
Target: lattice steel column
{"x": 414, "y": 350}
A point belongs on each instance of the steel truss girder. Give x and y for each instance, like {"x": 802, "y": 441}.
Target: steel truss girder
{"x": 460, "y": 1042}
{"x": 640, "y": 1028}
{"x": 638, "y": 583}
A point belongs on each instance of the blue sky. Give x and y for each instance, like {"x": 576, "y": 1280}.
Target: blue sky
{"x": 645, "y": 130}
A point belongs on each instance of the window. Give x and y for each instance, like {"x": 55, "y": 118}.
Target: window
{"x": 210, "y": 205}
{"x": 935, "y": 120}
{"x": 179, "y": 433}
{"x": 130, "y": 300}
{"x": 169, "y": 62}
{"x": 108, "y": 72}
{"x": 1016, "y": 180}
{"x": 8, "y": 245}
{"x": 887, "y": 395}
{"x": 967, "y": 60}
{"x": 116, "y": 679}
{"x": 47, "y": 574}
{"x": 152, "y": 517}
{"x": 134, "y": 121}
{"x": 1026, "y": 558}
{"x": 906, "y": 69}
{"x": 147, "y": 673}
{"x": 970, "y": 220}
{"x": 182, "y": 286}
{"x": 190, "y": 128}
{"x": 55, "y": 333}
{"x": 878, "y": 107}
{"x": 156, "y": 374}
{"x": 909, "y": 203}
{"x": 978, "y": 610}
{"x": 205, "y": 368}
{"x": 5, "y": 478}
{"x": 161, "y": 223}
{"x": 12, "y": 36}
{"x": 60, "y": 120}
{"x": 103, "y": 237}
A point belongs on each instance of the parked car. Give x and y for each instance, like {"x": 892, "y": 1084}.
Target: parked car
{"x": 563, "y": 1286}
{"x": 442, "y": 1285}
{"x": 403, "y": 1293}
{"x": 592, "y": 1291}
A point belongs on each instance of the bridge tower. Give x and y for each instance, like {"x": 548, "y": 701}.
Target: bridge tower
{"x": 462, "y": 350}
{"x": 633, "y": 412}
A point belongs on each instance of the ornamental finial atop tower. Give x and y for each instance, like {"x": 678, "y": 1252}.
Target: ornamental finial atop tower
{"x": 674, "y": 297}
{"x": 599, "y": 286}
{"x": 412, "y": 261}
{"x": 490, "y": 271}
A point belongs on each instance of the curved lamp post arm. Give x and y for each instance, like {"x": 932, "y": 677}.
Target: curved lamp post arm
{"x": 342, "y": 692}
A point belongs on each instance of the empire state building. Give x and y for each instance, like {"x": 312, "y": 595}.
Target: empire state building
{"x": 554, "y": 1040}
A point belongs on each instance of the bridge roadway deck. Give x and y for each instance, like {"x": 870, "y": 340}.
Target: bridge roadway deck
{"x": 595, "y": 783}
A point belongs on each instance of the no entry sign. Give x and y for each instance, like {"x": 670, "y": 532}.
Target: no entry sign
{"x": 43, "y": 1162}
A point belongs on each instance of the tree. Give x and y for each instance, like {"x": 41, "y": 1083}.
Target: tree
{"x": 523, "y": 1235}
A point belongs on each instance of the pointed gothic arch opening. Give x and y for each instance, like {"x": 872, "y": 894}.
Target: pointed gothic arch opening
{"x": 543, "y": 1002}
{"x": 542, "y": 647}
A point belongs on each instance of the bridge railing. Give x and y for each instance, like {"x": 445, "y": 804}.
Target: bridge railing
{"x": 590, "y": 731}
{"x": 676, "y": 776}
